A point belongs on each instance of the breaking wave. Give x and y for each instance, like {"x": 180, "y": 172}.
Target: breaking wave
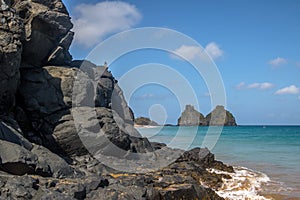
{"x": 245, "y": 184}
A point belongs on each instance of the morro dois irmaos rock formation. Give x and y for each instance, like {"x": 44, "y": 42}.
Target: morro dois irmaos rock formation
{"x": 218, "y": 117}
{"x": 42, "y": 155}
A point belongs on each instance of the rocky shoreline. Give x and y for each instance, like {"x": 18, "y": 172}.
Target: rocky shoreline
{"x": 57, "y": 115}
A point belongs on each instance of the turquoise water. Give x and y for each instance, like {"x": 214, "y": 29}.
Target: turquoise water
{"x": 273, "y": 150}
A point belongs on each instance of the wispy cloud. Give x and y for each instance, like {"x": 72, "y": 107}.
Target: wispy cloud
{"x": 240, "y": 86}
{"x": 278, "y": 61}
{"x": 260, "y": 86}
{"x": 253, "y": 85}
{"x": 192, "y": 52}
{"x": 292, "y": 89}
{"x": 92, "y": 22}
{"x": 265, "y": 86}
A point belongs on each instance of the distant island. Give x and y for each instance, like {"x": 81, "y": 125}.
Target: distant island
{"x": 191, "y": 117}
{"x": 144, "y": 121}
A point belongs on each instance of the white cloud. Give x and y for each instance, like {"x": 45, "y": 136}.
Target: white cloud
{"x": 260, "y": 86}
{"x": 214, "y": 50}
{"x": 265, "y": 86}
{"x": 188, "y": 52}
{"x": 254, "y": 85}
{"x": 278, "y": 61}
{"x": 292, "y": 89}
{"x": 191, "y": 52}
{"x": 92, "y": 22}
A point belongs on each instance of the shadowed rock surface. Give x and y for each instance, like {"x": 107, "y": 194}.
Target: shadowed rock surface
{"x": 57, "y": 116}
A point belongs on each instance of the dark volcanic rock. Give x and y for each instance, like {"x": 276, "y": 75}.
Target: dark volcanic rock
{"x": 179, "y": 191}
{"x": 47, "y": 31}
{"x": 48, "y": 95}
{"x": 219, "y": 117}
{"x": 8, "y": 133}
{"x": 49, "y": 164}
{"x": 119, "y": 104}
{"x": 48, "y": 90}
{"x": 191, "y": 117}
{"x": 24, "y": 187}
{"x": 11, "y": 35}
{"x": 15, "y": 159}
{"x": 204, "y": 158}
{"x": 57, "y": 116}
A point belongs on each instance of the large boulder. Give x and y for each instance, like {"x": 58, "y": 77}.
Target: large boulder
{"x": 50, "y": 94}
{"x": 11, "y": 35}
{"x": 47, "y": 31}
{"x": 16, "y": 159}
{"x": 49, "y": 164}
{"x": 191, "y": 117}
{"x": 79, "y": 136}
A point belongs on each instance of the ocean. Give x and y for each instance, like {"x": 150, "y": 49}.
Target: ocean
{"x": 266, "y": 158}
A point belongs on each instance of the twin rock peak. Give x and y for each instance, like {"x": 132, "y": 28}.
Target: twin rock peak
{"x": 218, "y": 117}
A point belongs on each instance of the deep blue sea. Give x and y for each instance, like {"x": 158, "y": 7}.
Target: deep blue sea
{"x": 272, "y": 153}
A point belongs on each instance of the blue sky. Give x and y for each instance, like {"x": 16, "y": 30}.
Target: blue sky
{"x": 255, "y": 45}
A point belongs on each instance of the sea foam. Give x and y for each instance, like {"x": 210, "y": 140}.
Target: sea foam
{"x": 245, "y": 184}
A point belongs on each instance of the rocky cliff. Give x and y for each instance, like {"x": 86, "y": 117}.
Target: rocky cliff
{"x": 48, "y": 102}
{"x": 221, "y": 117}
